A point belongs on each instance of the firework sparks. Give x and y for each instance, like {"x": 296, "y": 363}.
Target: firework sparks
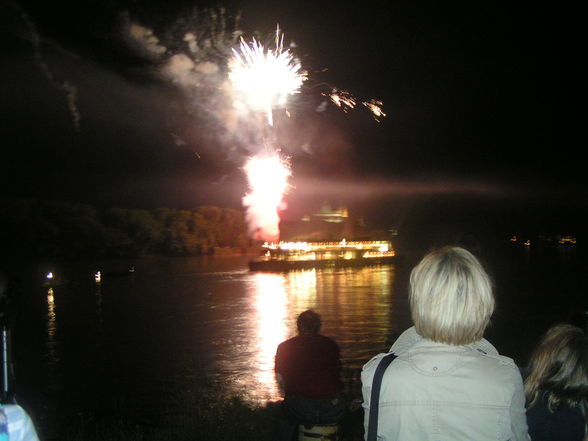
{"x": 267, "y": 174}
{"x": 264, "y": 77}
{"x": 375, "y": 106}
{"x": 342, "y": 99}
{"x": 346, "y": 101}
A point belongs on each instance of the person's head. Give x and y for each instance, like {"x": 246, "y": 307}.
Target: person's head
{"x": 309, "y": 322}
{"x": 451, "y": 297}
{"x": 559, "y": 367}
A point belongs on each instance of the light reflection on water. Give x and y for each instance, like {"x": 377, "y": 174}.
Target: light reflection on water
{"x": 270, "y": 300}
{"x": 151, "y": 340}
{"x": 354, "y": 303}
{"x": 52, "y": 346}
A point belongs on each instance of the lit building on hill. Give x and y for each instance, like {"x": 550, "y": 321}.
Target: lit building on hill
{"x": 328, "y": 224}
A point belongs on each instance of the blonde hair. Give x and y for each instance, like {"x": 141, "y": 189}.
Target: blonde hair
{"x": 451, "y": 297}
{"x": 559, "y": 368}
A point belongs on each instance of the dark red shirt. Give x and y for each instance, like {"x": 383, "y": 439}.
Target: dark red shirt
{"x": 310, "y": 365}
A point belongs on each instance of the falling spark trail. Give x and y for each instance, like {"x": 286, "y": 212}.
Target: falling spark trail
{"x": 375, "y": 106}
{"x": 345, "y": 101}
{"x": 342, "y": 99}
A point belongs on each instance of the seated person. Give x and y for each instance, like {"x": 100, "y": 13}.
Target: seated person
{"x": 308, "y": 370}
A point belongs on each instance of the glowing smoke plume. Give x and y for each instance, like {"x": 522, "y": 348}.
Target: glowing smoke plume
{"x": 267, "y": 175}
{"x": 265, "y": 77}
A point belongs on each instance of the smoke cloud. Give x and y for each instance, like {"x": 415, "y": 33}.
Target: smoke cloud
{"x": 196, "y": 61}
{"x": 69, "y": 89}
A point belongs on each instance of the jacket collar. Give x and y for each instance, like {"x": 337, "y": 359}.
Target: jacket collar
{"x": 410, "y": 338}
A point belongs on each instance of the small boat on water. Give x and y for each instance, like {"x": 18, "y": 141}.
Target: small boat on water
{"x": 53, "y": 279}
{"x": 285, "y": 256}
{"x": 100, "y": 275}
{"x": 566, "y": 240}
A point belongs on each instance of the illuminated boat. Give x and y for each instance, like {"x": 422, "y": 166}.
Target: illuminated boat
{"x": 285, "y": 256}
{"x": 566, "y": 240}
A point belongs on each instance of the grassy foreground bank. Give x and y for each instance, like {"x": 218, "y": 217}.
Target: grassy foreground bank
{"x": 231, "y": 420}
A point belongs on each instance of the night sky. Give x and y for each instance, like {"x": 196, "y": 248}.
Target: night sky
{"x": 485, "y": 107}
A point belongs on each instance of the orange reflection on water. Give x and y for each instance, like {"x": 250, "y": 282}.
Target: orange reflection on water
{"x": 52, "y": 352}
{"x": 302, "y": 289}
{"x": 51, "y": 316}
{"x": 271, "y": 308}
{"x": 356, "y": 306}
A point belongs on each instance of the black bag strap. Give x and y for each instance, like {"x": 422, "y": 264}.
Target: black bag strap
{"x": 375, "y": 397}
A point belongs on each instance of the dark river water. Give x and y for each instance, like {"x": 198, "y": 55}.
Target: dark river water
{"x": 136, "y": 343}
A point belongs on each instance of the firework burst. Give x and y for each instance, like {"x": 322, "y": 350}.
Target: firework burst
{"x": 263, "y": 77}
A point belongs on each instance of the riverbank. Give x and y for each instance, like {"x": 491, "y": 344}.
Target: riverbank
{"x": 232, "y": 420}
{"x": 229, "y": 420}
{"x": 206, "y": 414}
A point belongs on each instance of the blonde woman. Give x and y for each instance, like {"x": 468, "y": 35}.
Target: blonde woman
{"x": 557, "y": 386}
{"x": 447, "y": 382}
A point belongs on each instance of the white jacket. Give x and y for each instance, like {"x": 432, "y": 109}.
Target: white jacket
{"x": 438, "y": 392}
{"x": 20, "y": 426}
